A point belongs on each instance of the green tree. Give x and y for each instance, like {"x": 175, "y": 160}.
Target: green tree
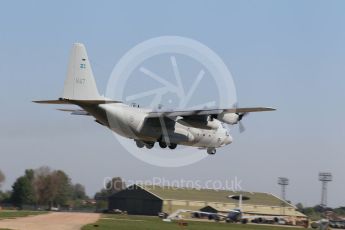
{"x": 63, "y": 187}
{"x": 23, "y": 191}
{"x": 313, "y": 213}
{"x": 41, "y": 184}
{"x": 44, "y": 186}
{"x": 2, "y": 177}
{"x": 78, "y": 192}
{"x": 53, "y": 187}
{"x": 5, "y": 197}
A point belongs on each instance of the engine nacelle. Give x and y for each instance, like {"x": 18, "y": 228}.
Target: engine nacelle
{"x": 229, "y": 118}
{"x": 201, "y": 124}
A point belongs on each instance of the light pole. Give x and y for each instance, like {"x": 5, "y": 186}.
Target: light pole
{"x": 283, "y": 182}
{"x": 324, "y": 177}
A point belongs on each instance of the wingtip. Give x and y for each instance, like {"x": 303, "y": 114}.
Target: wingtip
{"x": 38, "y": 102}
{"x": 270, "y": 109}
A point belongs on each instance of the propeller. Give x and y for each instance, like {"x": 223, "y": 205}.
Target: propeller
{"x": 240, "y": 123}
{"x": 241, "y": 126}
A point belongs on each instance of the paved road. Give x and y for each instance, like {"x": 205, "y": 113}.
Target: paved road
{"x": 51, "y": 221}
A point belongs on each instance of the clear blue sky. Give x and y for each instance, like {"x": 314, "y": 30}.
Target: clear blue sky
{"x": 286, "y": 54}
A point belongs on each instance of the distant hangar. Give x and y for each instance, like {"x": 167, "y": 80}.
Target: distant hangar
{"x": 150, "y": 200}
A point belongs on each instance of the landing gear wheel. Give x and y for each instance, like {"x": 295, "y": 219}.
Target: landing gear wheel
{"x": 172, "y": 146}
{"x": 150, "y": 145}
{"x": 162, "y": 144}
{"x": 244, "y": 221}
{"x": 139, "y": 144}
{"x": 211, "y": 151}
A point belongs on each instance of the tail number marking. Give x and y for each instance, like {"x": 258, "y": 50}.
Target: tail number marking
{"x": 80, "y": 81}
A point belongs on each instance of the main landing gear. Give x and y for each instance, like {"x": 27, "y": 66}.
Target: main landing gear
{"x": 149, "y": 145}
{"x": 141, "y": 144}
{"x": 172, "y": 146}
{"x": 163, "y": 145}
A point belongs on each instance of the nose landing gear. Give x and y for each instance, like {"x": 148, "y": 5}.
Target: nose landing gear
{"x": 211, "y": 151}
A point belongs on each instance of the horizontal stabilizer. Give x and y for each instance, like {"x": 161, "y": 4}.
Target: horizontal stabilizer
{"x": 76, "y": 111}
{"x": 76, "y": 102}
{"x": 53, "y": 102}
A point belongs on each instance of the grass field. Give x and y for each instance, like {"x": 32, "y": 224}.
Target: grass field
{"x": 7, "y": 214}
{"x": 120, "y": 222}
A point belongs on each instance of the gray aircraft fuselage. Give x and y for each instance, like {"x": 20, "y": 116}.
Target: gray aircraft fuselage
{"x": 132, "y": 122}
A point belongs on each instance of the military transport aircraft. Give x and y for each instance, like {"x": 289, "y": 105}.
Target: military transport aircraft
{"x": 201, "y": 128}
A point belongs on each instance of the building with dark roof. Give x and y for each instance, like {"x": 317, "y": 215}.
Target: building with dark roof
{"x": 150, "y": 200}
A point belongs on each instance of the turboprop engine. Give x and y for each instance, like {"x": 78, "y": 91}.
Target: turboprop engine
{"x": 229, "y": 118}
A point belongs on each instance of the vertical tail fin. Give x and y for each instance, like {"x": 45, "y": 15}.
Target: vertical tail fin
{"x": 80, "y": 83}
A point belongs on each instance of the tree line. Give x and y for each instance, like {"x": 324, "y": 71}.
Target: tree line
{"x": 319, "y": 212}
{"x": 43, "y": 187}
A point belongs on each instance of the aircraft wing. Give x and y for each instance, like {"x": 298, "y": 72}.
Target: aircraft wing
{"x": 205, "y": 112}
{"x": 263, "y": 218}
{"x": 176, "y": 214}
